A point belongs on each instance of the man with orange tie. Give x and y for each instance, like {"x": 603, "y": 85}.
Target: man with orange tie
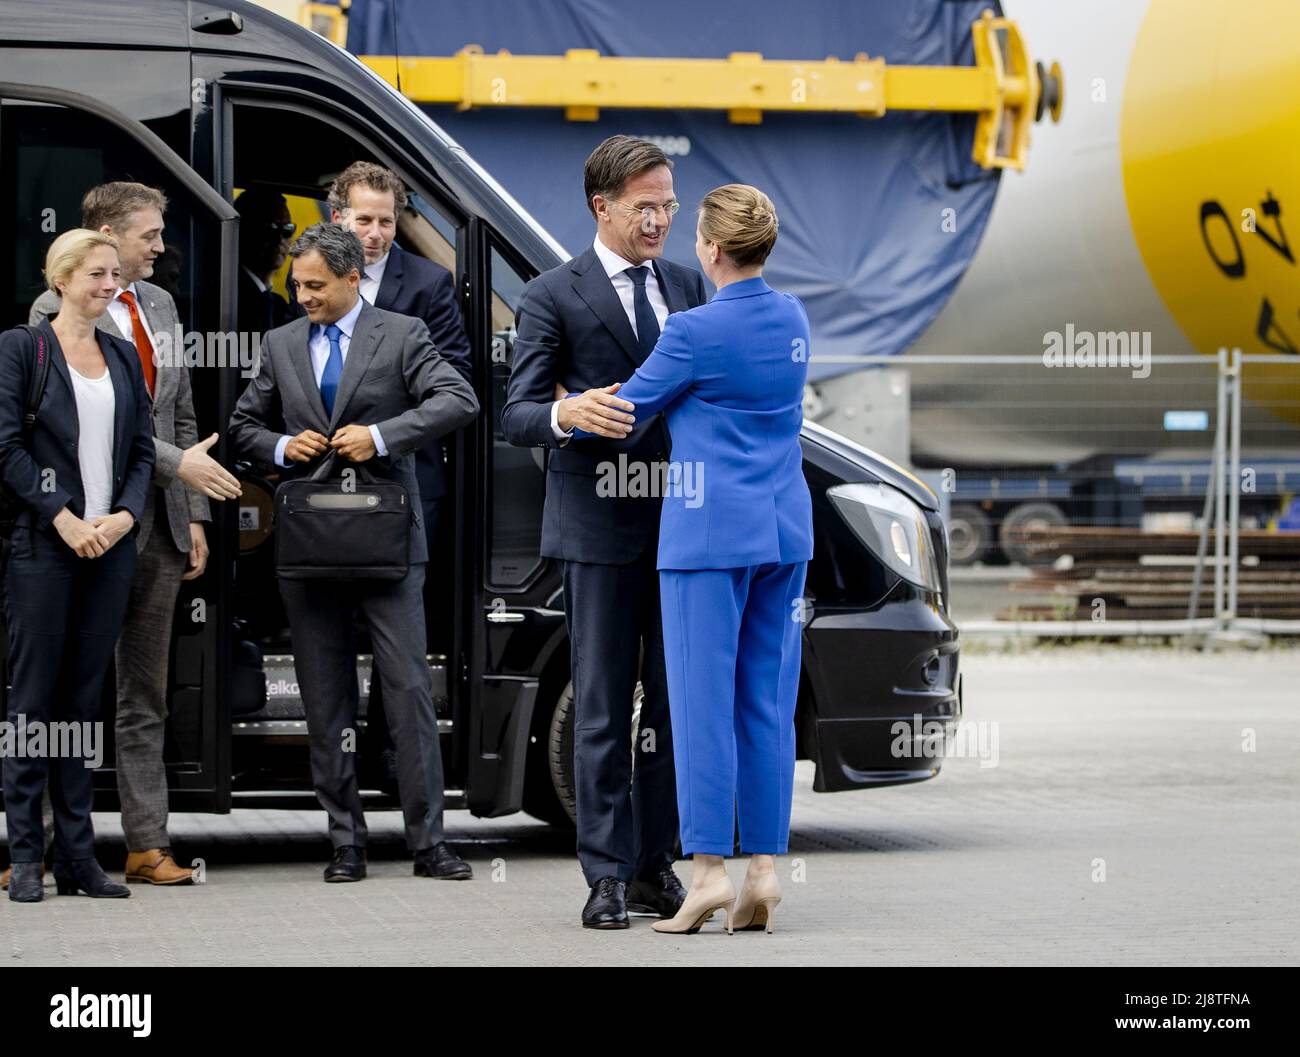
{"x": 172, "y": 545}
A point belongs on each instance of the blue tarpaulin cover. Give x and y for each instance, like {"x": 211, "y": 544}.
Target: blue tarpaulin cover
{"x": 861, "y": 202}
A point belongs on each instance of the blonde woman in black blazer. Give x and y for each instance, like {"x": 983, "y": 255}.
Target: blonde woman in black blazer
{"x": 81, "y": 472}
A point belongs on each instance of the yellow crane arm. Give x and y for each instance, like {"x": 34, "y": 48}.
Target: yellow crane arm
{"x": 1005, "y": 90}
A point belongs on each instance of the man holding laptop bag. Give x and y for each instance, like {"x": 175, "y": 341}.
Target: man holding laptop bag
{"x": 343, "y": 399}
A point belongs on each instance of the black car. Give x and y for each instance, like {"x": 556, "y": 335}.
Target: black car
{"x": 204, "y": 100}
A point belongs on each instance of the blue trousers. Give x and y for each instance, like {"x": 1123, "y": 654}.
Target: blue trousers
{"x": 732, "y": 650}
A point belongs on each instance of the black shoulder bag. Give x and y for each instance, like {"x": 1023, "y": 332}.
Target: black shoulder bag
{"x": 354, "y": 526}
{"x": 10, "y": 505}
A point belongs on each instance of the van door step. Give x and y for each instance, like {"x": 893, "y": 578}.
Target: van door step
{"x": 284, "y": 704}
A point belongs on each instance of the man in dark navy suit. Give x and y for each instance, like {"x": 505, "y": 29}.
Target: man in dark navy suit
{"x": 580, "y": 327}
{"x": 367, "y": 199}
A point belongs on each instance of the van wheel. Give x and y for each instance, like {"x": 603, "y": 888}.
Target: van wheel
{"x": 559, "y": 754}
{"x": 540, "y": 797}
{"x": 969, "y": 534}
{"x": 1029, "y": 515}
{"x": 559, "y": 745}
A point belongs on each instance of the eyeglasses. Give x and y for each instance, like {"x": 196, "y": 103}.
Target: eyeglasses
{"x": 283, "y": 230}
{"x": 668, "y": 208}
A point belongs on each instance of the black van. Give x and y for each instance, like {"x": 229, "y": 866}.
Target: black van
{"x": 203, "y": 100}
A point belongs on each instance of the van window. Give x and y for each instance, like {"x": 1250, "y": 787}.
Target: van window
{"x": 49, "y": 157}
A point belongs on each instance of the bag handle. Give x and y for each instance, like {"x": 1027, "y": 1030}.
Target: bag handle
{"x": 323, "y": 472}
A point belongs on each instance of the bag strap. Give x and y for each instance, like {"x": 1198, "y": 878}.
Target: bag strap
{"x": 328, "y": 464}
{"x": 40, "y": 375}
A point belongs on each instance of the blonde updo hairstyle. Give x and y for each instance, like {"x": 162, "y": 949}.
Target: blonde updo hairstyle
{"x": 742, "y": 221}
{"x": 67, "y": 253}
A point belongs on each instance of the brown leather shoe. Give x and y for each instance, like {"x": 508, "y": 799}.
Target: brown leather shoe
{"x": 156, "y": 867}
{"x": 4, "y": 877}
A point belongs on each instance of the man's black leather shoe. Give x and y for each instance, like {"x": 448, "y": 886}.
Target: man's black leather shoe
{"x": 441, "y": 862}
{"x": 661, "y": 894}
{"x": 348, "y": 864}
{"x": 607, "y": 905}
{"x": 25, "y": 883}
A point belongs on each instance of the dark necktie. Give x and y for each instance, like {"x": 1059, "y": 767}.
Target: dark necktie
{"x": 647, "y": 324}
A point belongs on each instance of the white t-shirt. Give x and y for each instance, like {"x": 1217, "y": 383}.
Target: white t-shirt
{"x": 95, "y": 406}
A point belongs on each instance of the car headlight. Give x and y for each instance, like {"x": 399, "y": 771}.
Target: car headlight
{"x": 893, "y": 528}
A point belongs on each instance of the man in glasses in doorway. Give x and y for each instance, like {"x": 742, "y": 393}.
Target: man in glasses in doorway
{"x": 580, "y": 327}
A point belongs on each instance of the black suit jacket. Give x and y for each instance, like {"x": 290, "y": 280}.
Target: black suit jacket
{"x": 53, "y": 441}
{"x": 571, "y": 328}
{"x": 415, "y": 286}
{"x": 260, "y": 311}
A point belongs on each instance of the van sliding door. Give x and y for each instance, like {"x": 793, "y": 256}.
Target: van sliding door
{"x": 54, "y": 146}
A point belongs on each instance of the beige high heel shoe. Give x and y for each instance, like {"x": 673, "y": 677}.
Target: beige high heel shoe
{"x": 756, "y": 904}
{"x": 699, "y": 906}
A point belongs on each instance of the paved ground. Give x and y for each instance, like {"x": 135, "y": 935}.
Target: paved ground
{"x": 1131, "y": 760}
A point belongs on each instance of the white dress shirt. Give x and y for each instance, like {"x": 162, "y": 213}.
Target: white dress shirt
{"x": 373, "y": 277}
{"x": 319, "y": 346}
{"x": 122, "y": 316}
{"x": 96, "y": 402}
{"x": 258, "y": 281}
{"x": 616, "y": 268}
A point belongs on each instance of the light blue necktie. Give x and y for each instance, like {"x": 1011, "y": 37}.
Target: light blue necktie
{"x": 329, "y": 379}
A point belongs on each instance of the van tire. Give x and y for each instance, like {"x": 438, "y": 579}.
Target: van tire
{"x": 559, "y": 752}
{"x": 559, "y": 755}
{"x": 540, "y": 798}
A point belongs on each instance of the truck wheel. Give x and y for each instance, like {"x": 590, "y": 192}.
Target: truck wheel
{"x": 969, "y": 534}
{"x": 560, "y": 748}
{"x": 1029, "y": 515}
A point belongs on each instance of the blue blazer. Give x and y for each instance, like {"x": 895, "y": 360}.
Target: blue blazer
{"x": 730, "y": 377}
{"x": 52, "y": 443}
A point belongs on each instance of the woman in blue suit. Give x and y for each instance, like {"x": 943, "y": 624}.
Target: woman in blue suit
{"x": 82, "y": 471}
{"x": 735, "y": 540}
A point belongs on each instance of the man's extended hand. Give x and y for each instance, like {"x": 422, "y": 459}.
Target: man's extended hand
{"x": 597, "y": 411}
{"x": 354, "y": 442}
{"x": 204, "y": 474}
{"x": 198, "y": 556}
{"x": 306, "y": 446}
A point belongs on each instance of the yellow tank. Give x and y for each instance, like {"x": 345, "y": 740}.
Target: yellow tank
{"x": 1166, "y": 204}
{"x": 1210, "y": 146}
